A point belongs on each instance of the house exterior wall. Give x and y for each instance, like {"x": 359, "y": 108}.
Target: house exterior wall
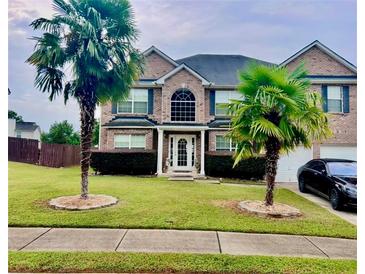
{"x": 155, "y": 66}
{"x": 183, "y": 79}
{"x": 315, "y": 60}
{"x": 319, "y": 63}
{"x": 212, "y": 136}
{"x": 109, "y": 137}
{"x": 343, "y": 125}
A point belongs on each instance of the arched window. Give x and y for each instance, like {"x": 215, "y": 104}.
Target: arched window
{"x": 183, "y": 106}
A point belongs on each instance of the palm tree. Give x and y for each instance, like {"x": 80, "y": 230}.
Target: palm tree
{"x": 276, "y": 114}
{"x": 94, "y": 39}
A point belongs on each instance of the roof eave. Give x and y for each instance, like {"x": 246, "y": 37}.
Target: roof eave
{"x": 161, "y": 80}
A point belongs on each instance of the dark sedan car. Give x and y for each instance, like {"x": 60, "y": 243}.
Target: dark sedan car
{"x": 334, "y": 179}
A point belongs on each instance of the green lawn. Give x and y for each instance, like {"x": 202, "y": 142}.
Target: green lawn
{"x": 157, "y": 203}
{"x": 167, "y": 263}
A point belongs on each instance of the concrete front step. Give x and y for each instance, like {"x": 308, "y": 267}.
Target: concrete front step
{"x": 181, "y": 178}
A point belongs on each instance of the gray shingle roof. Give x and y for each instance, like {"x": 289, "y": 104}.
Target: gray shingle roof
{"x": 219, "y": 69}
{"x": 130, "y": 121}
{"x": 220, "y": 123}
{"x": 26, "y": 126}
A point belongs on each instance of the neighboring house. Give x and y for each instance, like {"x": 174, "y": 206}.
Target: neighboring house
{"x": 177, "y": 108}
{"x": 27, "y": 130}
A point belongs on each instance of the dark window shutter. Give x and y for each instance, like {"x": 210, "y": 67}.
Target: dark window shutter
{"x": 150, "y": 101}
{"x": 346, "y": 99}
{"x": 324, "y": 98}
{"x": 212, "y": 102}
{"x": 114, "y": 108}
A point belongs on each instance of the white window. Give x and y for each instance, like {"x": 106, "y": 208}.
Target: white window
{"x": 335, "y": 99}
{"x": 18, "y": 134}
{"x": 130, "y": 141}
{"x": 223, "y": 143}
{"x": 137, "y": 102}
{"x": 222, "y": 98}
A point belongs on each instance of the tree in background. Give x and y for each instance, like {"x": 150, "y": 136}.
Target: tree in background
{"x": 13, "y": 115}
{"x": 94, "y": 38}
{"x": 276, "y": 114}
{"x": 61, "y": 133}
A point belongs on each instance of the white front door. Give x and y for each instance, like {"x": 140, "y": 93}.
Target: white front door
{"x": 182, "y": 152}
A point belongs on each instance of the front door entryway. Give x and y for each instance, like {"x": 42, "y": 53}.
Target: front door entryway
{"x": 182, "y": 152}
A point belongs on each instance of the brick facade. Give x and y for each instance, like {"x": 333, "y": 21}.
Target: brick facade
{"x": 183, "y": 79}
{"x": 316, "y": 61}
{"x": 155, "y": 66}
{"x": 108, "y": 138}
{"x": 319, "y": 63}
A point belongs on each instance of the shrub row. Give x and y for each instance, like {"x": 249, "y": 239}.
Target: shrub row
{"x": 124, "y": 162}
{"x": 221, "y": 165}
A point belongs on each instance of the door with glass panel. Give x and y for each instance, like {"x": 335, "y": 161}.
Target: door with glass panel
{"x": 182, "y": 152}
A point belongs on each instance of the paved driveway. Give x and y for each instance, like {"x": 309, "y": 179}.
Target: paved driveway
{"x": 347, "y": 214}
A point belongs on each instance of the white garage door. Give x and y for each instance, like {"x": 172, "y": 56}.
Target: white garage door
{"x": 339, "y": 152}
{"x": 289, "y": 163}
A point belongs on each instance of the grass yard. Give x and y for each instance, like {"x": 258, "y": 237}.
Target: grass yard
{"x": 157, "y": 203}
{"x": 166, "y": 263}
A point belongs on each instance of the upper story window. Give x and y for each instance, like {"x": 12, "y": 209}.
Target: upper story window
{"x": 129, "y": 141}
{"x": 137, "y": 102}
{"x": 335, "y": 99}
{"x": 224, "y": 143}
{"x": 183, "y": 106}
{"x": 222, "y": 98}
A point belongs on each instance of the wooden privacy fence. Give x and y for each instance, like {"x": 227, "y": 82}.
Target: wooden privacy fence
{"x": 51, "y": 155}
{"x": 23, "y": 150}
{"x": 55, "y": 155}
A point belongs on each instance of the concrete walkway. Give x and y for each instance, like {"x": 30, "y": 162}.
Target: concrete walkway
{"x": 178, "y": 241}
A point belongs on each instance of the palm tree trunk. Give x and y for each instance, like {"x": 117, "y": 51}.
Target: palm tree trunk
{"x": 272, "y": 156}
{"x": 87, "y": 110}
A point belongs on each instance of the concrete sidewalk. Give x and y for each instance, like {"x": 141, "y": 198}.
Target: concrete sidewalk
{"x": 178, "y": 241}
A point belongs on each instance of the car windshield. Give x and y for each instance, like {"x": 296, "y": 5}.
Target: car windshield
{"x": 343, "y": 168}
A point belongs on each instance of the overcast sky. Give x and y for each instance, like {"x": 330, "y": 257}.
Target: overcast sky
{"x": 270, "y": 30}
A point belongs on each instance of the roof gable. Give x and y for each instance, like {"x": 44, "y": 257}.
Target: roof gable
{"x": 324, "y": 49}
{"x": 161, "y": 54}
{"x": 162, "y": 79}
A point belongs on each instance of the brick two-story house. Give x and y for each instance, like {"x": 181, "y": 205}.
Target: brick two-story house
{"x": 176, "y": 109}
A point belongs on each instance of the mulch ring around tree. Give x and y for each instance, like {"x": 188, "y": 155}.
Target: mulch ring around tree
{"x": 280, "y": 211}
{"x": 277, "y": 210}
{"x": 76, "y": 203}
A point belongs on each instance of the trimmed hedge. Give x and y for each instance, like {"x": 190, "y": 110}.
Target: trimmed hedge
{"x": 221, "y": 165}
{"x": 124, "y": 162}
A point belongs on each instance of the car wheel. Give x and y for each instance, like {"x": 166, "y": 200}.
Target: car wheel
{"x": 301, "y": 184}
{"x": 335, "y": 199}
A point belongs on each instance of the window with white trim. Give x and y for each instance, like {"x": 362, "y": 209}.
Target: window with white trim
{"x": 224, "y": 143}
{"x": 18, "y": 134}
{"x": 137, "y": 102}
{"x": 129, "y": 141}
{"x": 334, "y": 99}
{"x": 183, "y": 106}
{"x": 222, "y": 98}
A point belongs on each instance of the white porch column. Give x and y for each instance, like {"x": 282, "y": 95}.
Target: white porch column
{"x": 202, "y": 152}
{"x": 159, "y": 151}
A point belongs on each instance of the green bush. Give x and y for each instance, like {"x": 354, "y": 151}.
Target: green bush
{"x": 124, "y": 162}
{"x": 218, "y": 164}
